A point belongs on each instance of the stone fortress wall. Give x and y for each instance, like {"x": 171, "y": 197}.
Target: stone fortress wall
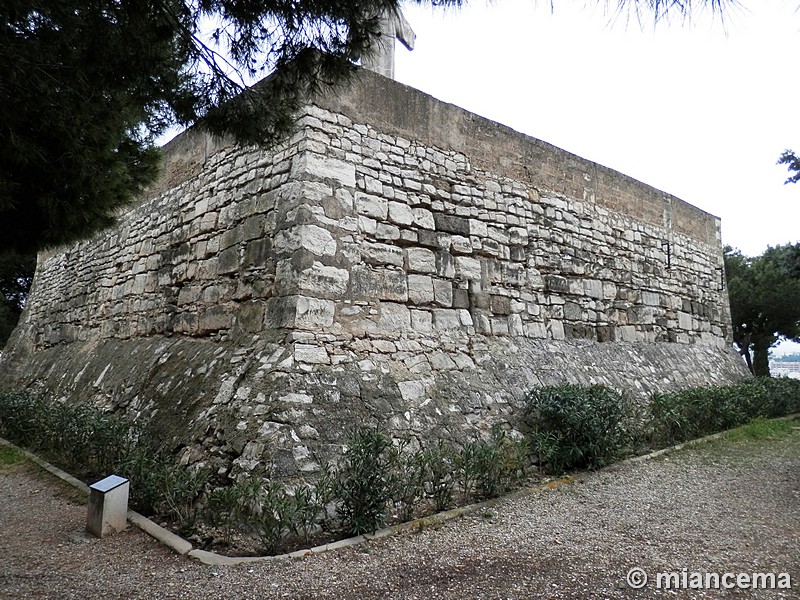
{"x": 399, "y": 261}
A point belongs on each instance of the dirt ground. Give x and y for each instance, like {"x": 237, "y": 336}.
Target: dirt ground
{"x": 731, "y": 506}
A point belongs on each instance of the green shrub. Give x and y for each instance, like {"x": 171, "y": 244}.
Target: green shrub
{"x": 440, "y": 465}
{"x": 91, "y": 444}
{"x": 576, "y": 427}
{"x": 271, "y": 513}
{"x": 409, "y": 471}
{"x": 365, "y": 481}
{"x": 489, "y": 468}
{"x": 695, "y": 412}
{"x": 310, "y": 505}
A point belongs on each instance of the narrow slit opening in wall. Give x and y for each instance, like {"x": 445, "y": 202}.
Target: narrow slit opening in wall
{"x": 667, "y": 247}
{"x": 721, "y": 272}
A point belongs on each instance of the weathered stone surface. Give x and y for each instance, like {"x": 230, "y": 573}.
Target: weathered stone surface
{"x": 421, "y": 260}
{"x": 420, "y": 289}
{"x": 379, "y": 284}
{"x": 314, "y": 165}
{"x": 256, "y": 304}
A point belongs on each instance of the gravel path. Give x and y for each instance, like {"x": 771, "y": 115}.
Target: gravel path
{"x": 722, "y": 507}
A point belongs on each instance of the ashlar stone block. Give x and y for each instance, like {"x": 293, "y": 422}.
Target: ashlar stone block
{"x": 372, "y": 206}
{"x": 299, "y": 311}
{"x": 323, "y": 167}
{"x": 394, "y": 317}
{"x": 420, "y": 289}
{"x": 400, "y": 213}
{"x": 468, "y": 267}
{"x": 379, "y": 284}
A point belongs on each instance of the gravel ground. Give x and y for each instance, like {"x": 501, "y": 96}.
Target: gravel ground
{"x": 722, "y": 507}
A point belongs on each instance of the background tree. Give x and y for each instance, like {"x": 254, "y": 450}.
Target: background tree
{"x": 792, "y": 162}
{"x": 87, "y": 85}
{"x": 765, "y": 301}
{"x": 16, "y": 276}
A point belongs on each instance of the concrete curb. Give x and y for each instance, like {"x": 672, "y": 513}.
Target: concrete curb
{"x": 164, "y": 536}
{"x": 73, "y": 481}
{"x": 183, "y": 547}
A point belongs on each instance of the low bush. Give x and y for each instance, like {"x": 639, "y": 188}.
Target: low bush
{"x": 695, "y": 412}
{"x": 93, "y": 444}
{"x": 488, "y": 468}
{"x": 577, "y": 427}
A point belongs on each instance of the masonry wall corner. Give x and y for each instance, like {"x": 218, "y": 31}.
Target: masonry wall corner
{"x": 398, "y": 261}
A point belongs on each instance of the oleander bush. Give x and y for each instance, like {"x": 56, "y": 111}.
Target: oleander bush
{"x": 578, "y": 426}
{"x": 92, "y": 444}
{"x": 378, "y": 478}
{"x": 695, "y": 412}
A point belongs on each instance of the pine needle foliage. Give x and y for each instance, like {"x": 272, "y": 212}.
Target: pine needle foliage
{"x": 86, "y": 86}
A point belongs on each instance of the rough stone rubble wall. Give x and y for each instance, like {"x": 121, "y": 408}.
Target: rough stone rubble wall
{"x": 260, "y": 304}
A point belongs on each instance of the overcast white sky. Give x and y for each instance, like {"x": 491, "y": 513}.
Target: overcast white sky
{"x": 700, "y": 110}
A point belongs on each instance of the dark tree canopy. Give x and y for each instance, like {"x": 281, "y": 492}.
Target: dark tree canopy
{"x": 16, "y": 276}
{"x": 86, "y": 86}
{"x": 765, "y": 301}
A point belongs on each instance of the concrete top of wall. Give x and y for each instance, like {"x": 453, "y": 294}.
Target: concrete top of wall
{"x": 397, "y": 109}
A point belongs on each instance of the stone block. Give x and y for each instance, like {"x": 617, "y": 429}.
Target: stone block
{"x": 443, "y": 292}
{"x": 468, "y": 268}
{"x": 444, "y": 319}
{"x": 382, "y": 254}
{"x": 460, "y": 298}
{"x": 322, "y": 281}
{"x": 451, "y": 224}
{"x": 258, "y": 252}
{"x": 313, "y": 238}
{"x": 609, "y": 290}
{"x": 651, "y": 298}
{"x": 394, "y": 317}
{"x": 385, "y": 231}
{"x": 300, "y": 312}
{"x": 309, "y": 164}
{"x": 421, "y": 321}
{"x": 411, "y": 390}
{"x": 499, "y": 326}
{"x": 420, "y": 289}
{"x": 445, "y": 266}
{"x": 214, "y": 319}
{"x": 515, "y": 325}
{"x": 593, "y": 288}
{"x": 556, "y": 330}
{"x": 500, "y": 305}
{"x": 308, "y": 353}
{"x": 685, "y": 321}
{"x": 556, "y": 284}
{"x": 400, "y": 213}
{"x": 250, "y": 316}
{"x": 424, "y": 218}
{"x": 372, "y": 206}
{"x": 228, "y": 260}
{"x": 460, "y": 245}
{"x": 573, "y": 311}
{"x": 379, "y": 284}
{"x": 420, "y": 260}
{"x": 478, "y": 228}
